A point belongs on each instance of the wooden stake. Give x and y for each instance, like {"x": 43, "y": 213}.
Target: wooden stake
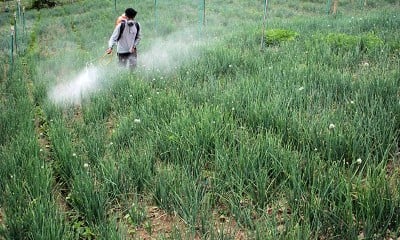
{"x": 335, "y": 6}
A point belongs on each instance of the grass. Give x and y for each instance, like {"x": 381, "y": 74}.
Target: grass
{"x": 220, "y": 141}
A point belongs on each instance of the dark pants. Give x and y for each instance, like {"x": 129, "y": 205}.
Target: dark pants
{"x": 128, "y": 59}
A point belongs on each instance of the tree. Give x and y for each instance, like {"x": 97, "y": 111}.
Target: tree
{"x": 38, "y": 4}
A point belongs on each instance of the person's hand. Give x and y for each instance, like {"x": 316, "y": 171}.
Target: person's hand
{"x": 109, "y": 50}
{"x": 133, "y": 49}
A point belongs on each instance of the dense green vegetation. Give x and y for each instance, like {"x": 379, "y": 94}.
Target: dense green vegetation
{"x": 215, "y": 135}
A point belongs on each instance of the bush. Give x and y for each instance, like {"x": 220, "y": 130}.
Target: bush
{"x": 345, "y": 42}
{"x": 339, "y": 41}
{"x": 38, "y": 4}
{"x": 278, "y": 36}
{"x": 370, "y": 42}
{"x": 394, "y": 46}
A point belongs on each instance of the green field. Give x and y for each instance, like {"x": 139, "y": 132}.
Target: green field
{"x": 231, "y": 127}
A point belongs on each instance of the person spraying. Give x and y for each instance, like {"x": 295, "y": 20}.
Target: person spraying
{"x": 126, "y": 36}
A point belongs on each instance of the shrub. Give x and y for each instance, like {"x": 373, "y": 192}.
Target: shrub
{"x": 339, "y": 41}
{"x": 278, "y": 36}
{"x": 345, "y": 42}
{"x": 38, "y": 4}
{"x": 369, "y": 42}
{"x": 394, "y": 46}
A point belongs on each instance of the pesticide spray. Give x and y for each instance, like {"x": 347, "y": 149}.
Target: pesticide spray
{"x": 71, "y": 92}
{"x": 168, "y": 53}
{"x": 163, "y": 56}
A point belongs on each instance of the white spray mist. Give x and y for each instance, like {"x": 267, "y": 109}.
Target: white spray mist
{"x": 168, "y": 53}
{"x": 164, "y": 55}
{"x": 74, "y": 90}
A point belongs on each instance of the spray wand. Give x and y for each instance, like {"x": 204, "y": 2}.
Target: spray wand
{"x": 103, "y": 60}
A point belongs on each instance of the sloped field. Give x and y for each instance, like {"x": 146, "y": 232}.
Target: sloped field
{"x": 216, "y": 135}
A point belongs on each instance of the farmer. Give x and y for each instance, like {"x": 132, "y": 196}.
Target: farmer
{"x": 126, "y": 36}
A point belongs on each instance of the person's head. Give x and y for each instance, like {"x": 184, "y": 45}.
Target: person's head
{"x": 130, "y": 13}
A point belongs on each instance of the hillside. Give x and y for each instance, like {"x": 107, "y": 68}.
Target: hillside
{"x": 236, "y": 124}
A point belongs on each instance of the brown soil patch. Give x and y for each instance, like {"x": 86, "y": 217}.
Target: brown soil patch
{"x": 159, "y": 223}
{"x": 230, "y": 227}
{"x": 393, "y": 165}
{"x": 163, "y": 225}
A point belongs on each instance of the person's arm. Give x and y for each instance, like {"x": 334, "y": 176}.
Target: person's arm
{"x": 138, "y": 37}
{"x": 113, "y": 39}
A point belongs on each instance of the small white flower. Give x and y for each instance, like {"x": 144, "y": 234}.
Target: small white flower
{"x": 301, "y": 88}
{"x": 365, "y": 64}
{"x": 86, "y": 165}
{"x": 359, "y": 161}
{"x": 351, "y": 102}
{"x": 332, "y": 126}
{"x": 157, "y": 92}
{"x": 137, "y": 120}
{"x": 233, "y": 109}
{"x": 74, "y": 154}
{"x": 230, "y": 65}
{"x": 130, "y": 95}
{"x": 40, "y": 150}
{"x": 111, "y": 143}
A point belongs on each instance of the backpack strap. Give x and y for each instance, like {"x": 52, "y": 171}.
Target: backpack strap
{"x": 138, "y": 29}
{"x": 122, "y": 27}
{"x": 121, "y": 30}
